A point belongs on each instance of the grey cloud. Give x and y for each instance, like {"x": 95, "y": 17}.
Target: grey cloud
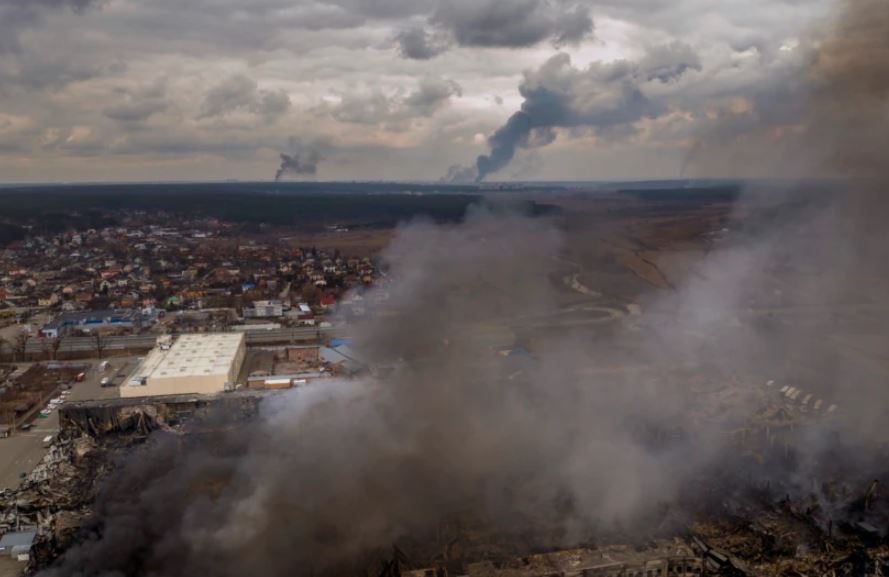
{"x": 512, "y": 23}
{"x": 417, "y": 42}
{"x": 240, "y": 93}
{"x": 669, "y": 62}
{"x": 74, "y": 141}
{"x": 15, "y": 15}
{"x": 321, "y": 17}
{"x": 272, "y": 104}
{"x": 572, "y": 25}
{"x": 134, "y": 111}
{"x": 134, "y": 106}
{"x": 394, "y": 111}
{"x": 43, "y": 69}
{"x": 431, "y": 94}
{"x": 319, "y": 47}
{"x": 386, "y": 9}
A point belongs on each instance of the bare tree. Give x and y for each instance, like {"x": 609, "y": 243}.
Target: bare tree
{"x": 54, "y": 346}
{"x": 4, "y": 344}
{"x": 99, "y": 342}
{"x": 21, "y": 345}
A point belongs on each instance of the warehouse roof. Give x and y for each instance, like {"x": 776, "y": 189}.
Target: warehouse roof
{"x": 192, "y": 355}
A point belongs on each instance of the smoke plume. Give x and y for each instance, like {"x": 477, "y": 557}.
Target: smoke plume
{"x": 819, "y": 245}
{"x": 304, "y": 163}
{"x": 333, "y": 472}
{"x": 608, "y": 98}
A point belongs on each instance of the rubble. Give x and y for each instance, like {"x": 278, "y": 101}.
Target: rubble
{"x": 56, "y": 497}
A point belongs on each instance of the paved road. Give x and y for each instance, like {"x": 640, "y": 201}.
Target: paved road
{"x": 24, "y": 450}
{"x": 140, "y": 342}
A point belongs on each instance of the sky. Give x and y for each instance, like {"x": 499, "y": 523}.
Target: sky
{"x": 113, "y": 90}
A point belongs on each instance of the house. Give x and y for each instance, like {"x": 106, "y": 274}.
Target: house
{"x": 48, "y": 300}
{"x": 264, "y": 310}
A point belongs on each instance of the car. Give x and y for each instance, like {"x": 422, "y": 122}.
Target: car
{"x": 26, "y": 427}
{"x": 45, "y": 413}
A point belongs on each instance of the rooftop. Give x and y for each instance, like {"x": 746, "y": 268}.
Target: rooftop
{"x": 192, "y": 355}
{"x": 17, "y": 540}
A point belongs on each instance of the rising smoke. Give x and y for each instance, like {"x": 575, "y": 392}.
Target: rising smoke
{"x": 608, "y": 98}
{"x": 332, "y": 473}
{"x": 821, "y": 250}
{"x": 298, "y": 164}
{"x": 302, "y": 159}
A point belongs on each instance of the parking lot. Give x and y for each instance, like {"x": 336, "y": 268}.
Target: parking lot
{"x": 20, "y": 453}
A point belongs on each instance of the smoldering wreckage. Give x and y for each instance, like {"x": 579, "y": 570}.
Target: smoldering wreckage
{"x": 735, "y": 519}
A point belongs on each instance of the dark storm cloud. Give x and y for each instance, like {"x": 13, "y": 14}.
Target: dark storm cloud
{"x": 608, "y": 98}
{"x": 494, "y": 23}
{"x": 512, "y": 23}
{"x": 417, "y": 42}
{"x": 15, "y": 15}
{"x": 240, "y": 93}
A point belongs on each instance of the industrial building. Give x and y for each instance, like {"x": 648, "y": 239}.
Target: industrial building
{"x": 206, "y": 364}
{"x": 264, "y": 310}
{"x": 91, "y": 320}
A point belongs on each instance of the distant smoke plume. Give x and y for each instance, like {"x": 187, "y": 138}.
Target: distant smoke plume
{"x": 460, "y": 174}
{"x": 608, "y": 98}
{"x": 303, "y": 163}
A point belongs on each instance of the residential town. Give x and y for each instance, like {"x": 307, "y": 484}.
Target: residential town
{"x": 132, "y": 275}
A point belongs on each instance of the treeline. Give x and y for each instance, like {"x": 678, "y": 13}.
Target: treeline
{"x": 58, "y": 208}
{"x": 11, "y": 233}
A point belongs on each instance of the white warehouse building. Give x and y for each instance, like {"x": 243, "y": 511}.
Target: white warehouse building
{"x": 204, "y": 364}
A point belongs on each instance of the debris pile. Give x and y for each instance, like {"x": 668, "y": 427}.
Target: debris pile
{"x": 56, "y": 497}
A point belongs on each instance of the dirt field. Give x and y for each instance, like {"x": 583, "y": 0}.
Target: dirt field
{"x": 32, "y": 389}
{"x": 358, "y": 243}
